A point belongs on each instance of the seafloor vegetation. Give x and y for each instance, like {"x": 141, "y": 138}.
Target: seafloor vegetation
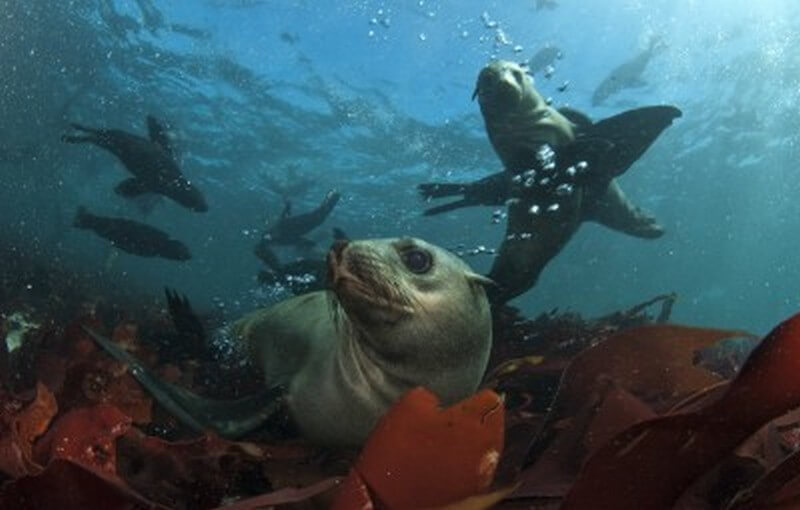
{"x": 622, "y": 411}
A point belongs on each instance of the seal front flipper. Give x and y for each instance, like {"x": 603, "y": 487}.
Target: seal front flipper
{"x": 489, "y": 191}
{"x": 612, "y": 145}
{"x": 230, "y": 419}
{"x": 610, "y": 207}
{"x": 158, "y": 135}
{"x": 450, "y": 206}
{"x": 131, "y": 187}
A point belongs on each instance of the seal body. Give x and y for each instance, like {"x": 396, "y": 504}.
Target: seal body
{"x": 150, "y": 160}
{"x": 540, "y": 148}
{"x": 132, "y": 236}
{"x": 401, "y": 313}
{"x": 291, "y": 229}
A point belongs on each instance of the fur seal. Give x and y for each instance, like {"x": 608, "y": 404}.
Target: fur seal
{"x": 151, "y": 161}
{"x": 301, "y": 275}
{"x": 549, "y": 195}
{"x": 400, "y": 313}
{"x": 628, "y": 75}
{"x": 291, "y": 229}
{"x": 132, "y": 236}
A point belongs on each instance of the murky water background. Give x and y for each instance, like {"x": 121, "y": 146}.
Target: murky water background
{"x": 372, "y": 98}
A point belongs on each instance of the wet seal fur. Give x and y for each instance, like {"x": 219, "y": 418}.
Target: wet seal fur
{"x": 401, "y": 313}
{"x": 519, "y": 122}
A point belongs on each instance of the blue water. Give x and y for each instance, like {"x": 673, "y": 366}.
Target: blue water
{"x": 374, "y": 97}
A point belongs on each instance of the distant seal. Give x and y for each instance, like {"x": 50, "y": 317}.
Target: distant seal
{"x": 151, "y": 161}
{"x": 132, "y": 236}
{"x": 548, "y": 197}
{"x": 291, "y": 229}
{"x": 628, "y": 75}
{"x": 400, "y": 313}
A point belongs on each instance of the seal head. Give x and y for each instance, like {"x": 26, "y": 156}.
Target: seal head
{"x": 518, "y": 119}
{"x": 405, "y": 313}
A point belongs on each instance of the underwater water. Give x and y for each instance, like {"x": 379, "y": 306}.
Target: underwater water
{"x": 372, "y": 98}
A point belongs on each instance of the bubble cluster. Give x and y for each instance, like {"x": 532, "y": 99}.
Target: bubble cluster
{"x": 305, "y": 278}
{"x": 480, "y": 249}
{"x": 498, "y": 215}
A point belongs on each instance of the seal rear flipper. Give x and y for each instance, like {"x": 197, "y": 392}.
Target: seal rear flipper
{"x": 230, "y": 419}
{"x": 614, "y": 210}
{"x": 131, "y": 187}
{"x": 612, "y": 145}
{"x": 439, "y": 209}
{"x": 158, "y": 135}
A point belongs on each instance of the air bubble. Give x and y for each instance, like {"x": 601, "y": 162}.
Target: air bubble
{"x": 564, "y": 189}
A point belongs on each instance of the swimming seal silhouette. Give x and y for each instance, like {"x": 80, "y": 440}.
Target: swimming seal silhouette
{"x": 132, "y": 236}
{"x": 400, "y": 313}
{"x": 291, "y": 229}
{"x": 150, "y": 160}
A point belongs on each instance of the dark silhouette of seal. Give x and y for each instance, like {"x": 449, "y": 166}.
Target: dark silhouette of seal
{"x": 559, "y": 171}
{"x": 628, "y": 75}
{"x": 301, "y": 275}
{"x": 401, "y": 313}
{"x": 132, "y": 236}
{"x": 150, "y": 160}
{"x": 291, "y": 229}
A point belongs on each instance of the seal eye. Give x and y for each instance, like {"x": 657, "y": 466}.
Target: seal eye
{"x": 417, "y": 261}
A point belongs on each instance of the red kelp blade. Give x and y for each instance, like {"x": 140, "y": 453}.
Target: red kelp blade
{"x": 654, "y": 362}
{"x": 198, "y": 473}
{"x": 66, "y": 485}
{"x": 422, "y": 456}
{"x": 286, "y": 496}
{"x": 610, "y": 387}
{"x": 652, "y": 463}
{"x": 86, "y": 435}
{"x": 608, "y": 410}
{"x": 19, "y": 432}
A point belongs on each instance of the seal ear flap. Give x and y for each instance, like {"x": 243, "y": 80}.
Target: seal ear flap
{"x": 480, "y": 279}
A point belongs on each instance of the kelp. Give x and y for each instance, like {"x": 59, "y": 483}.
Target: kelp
{"x": 623, "y": 411}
